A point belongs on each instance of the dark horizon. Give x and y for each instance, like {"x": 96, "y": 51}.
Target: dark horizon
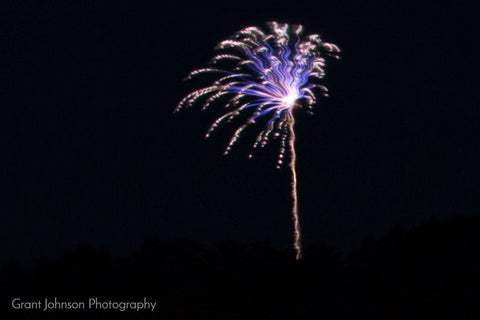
{"x": 429, "y": 271}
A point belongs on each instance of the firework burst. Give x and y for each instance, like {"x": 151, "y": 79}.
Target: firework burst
{"x": 266, "y": 76}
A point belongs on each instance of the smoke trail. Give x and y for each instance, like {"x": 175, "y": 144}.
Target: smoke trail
{"x": 297, "y": 245}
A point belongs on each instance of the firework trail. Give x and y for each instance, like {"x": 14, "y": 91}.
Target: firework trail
{"x": 266, "y": 75}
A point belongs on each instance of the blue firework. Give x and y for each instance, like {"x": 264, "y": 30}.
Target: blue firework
{"x": 266, "y": 75}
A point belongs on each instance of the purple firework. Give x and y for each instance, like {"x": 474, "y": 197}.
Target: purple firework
{"x": 267, "y": 75}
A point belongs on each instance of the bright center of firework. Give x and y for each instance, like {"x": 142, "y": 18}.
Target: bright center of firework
{"x": 290, "y": 99}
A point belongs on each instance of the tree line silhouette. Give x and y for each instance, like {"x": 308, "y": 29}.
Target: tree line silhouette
{"x": 428, "y": 272}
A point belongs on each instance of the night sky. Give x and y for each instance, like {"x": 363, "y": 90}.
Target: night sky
{"x": 93, "y": 153}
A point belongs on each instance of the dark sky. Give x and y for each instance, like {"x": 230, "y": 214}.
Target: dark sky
{"x": 93, "y": 154}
